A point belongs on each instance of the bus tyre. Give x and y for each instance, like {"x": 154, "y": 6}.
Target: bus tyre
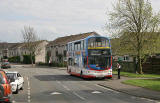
{"x": 109, "y": 77}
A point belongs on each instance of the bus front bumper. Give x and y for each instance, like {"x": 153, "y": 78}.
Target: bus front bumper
{"x": 98, "y": 74}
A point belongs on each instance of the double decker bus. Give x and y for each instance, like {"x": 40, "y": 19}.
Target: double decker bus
{"x": 90, "y": 57}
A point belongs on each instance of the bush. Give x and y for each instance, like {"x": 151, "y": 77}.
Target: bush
{"x": 15, "y": 59}
{"x": 27, "y": 59}
{"x": 42, "y": 64}
{"x": 54, "y": 64}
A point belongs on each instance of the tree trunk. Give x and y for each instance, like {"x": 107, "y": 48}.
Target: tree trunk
{"x": 140, "y": 70}
{"x": 31, "y": 60}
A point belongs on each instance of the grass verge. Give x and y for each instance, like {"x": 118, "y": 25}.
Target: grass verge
{"x": 153, "y": 84}
{"x": 134, "y": 75}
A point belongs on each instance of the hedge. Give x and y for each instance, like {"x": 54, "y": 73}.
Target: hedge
{"x": 27, "y": 59}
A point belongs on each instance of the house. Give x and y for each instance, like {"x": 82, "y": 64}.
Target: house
{"x": 57, "y": 49}
{"x": 20, "y": 49}
{"x": 4, "y": 49}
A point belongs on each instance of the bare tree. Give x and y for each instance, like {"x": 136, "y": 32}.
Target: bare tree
{"x": 137, "y": 24}
{"x": 31, "y": 41}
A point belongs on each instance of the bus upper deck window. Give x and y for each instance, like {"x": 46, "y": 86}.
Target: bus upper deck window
{"x": 104, "y": 43}
{"x": 99, "y": 44}
{"x": 107, "y": 43}
{"x": 82, "y": 44}
{"x": 92, "y": 44}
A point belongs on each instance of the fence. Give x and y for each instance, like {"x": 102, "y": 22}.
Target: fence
{"x": 152, "y": 66}
{"x": 126, "y": 66}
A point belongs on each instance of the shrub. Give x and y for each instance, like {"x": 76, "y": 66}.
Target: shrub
{"x": 15, "y": 59}
{"x": 27, "y": 59}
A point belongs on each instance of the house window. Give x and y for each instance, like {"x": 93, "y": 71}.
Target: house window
{"x": 126, "y": 58}
{"x": 56, "y": 52}
{"x": 71, "y": 46}
{"x": 64, "y": 53}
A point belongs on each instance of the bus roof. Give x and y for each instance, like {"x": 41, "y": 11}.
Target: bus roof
{"x": 88, "y": 38}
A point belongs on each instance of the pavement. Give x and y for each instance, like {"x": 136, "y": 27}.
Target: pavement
{"x": 116, "y": 84}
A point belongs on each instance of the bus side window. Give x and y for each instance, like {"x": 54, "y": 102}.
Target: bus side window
{"x": 75, "y": 62}
{"x": 69, "y": 61}
{"x": 82, "y": 45}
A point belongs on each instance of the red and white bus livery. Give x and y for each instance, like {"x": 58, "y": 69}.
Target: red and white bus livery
{"x": 90, "y": 57}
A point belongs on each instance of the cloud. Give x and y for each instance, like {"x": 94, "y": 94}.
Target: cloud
{"x": 52, "y": 18}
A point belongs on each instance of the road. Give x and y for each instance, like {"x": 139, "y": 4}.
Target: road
{"x": 48, "y": 85}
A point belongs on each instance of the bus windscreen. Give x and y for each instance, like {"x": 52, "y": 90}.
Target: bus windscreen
{"x": 98, "y": 42}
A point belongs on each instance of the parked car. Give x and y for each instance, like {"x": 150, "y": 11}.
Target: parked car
{"x": 5, "y": 88}
{"x": 16, "y": 81}
{"x": 5, "y": 65}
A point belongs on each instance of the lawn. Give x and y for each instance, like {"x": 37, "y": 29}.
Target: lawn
{"x": 153, "y": 84}
{"x": 134, "y": 75}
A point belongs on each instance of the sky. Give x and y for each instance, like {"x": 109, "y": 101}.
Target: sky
{"x": 54, "y": 18}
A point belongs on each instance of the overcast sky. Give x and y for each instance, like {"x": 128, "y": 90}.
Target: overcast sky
{"x": 54, "y": 18}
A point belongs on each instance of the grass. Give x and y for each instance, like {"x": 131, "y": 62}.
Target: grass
{"x": 134, "y": 75}
{"x": 153, "y": 84}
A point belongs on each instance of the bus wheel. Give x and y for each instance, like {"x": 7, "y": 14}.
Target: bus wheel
{"x": 109, "y": 77}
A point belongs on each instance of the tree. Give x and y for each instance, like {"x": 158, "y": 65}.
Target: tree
{"x": 137, "y": 28}
{"x": 31, "y": 42}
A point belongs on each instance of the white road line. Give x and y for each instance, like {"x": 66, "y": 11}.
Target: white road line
{"x": 66, "y": 87}
{"x": 150, "y": 100}
{"x": 106, "y": 88}
{"x": 29, "y": 91}
{"x": 55, "y": 93}
{"x": 63, "y": 85}
{"x": 78, "y": 96}
{"x": 58, "y": 82}
{"x": 29, "y": 97}
{"x": 28, "y": 84}
{"x": 96, "y": 92}
{"x": 29, "y": 101}
{"x": 13, "y": 101}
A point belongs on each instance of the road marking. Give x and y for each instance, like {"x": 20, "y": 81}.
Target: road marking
{"x": 29, "y": 91}
{"x": 58, "y": 82}
{"x": 107, "y": 88}
{"x": 66, "y": 87}
{"x": 78, "y": 96}
{"x": 29, "y": 101}
{"x": 63, "y": 85}
{"x": 96, "y": 92}
{"x": 13, "y": 101}
{"x": 55, "y": 93}
{"x": 29, "y": 97}
{"x": 150, "y": 100}
{"x": 28, "y": 84}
